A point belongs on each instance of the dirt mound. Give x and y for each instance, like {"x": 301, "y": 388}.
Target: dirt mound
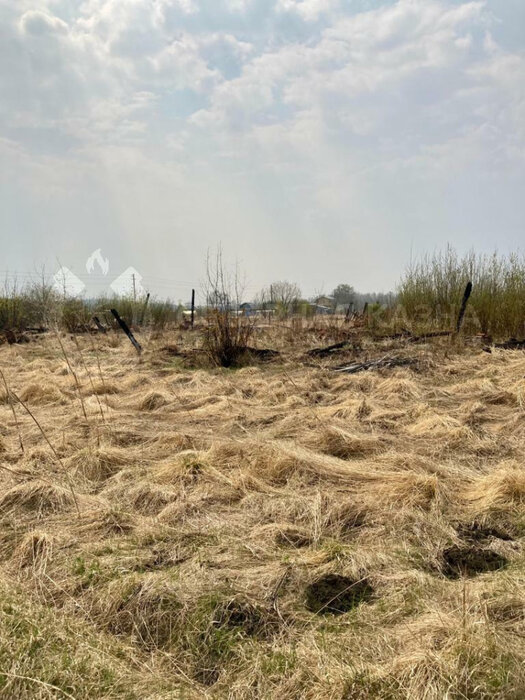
{"x": 152, "y": 401}
{"x": 37, "y": 497}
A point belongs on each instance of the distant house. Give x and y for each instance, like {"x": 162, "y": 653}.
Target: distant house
{"x": 322, "y": 310}
{"x": 246, "y": 309}
{"x": 325, "y": 301}
{"x": 323, "y": 305}
{"x": 319, "y": 309}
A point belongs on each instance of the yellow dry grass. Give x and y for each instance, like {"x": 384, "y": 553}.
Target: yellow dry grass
{"x": 278, "y": 531}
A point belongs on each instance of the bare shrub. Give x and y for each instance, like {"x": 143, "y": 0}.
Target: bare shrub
{"x": 228, "y": 330}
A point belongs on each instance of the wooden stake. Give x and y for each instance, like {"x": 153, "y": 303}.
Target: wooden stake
{"x": 144, "y": 310}
{"x": 126, "y": 330}
{"x": 463, "y": 308}
{"x": 98, "y": 324}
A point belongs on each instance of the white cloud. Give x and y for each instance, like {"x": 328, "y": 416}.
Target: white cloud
{"x": 406, "y": 76}
{"x": 37, "y": 23}
{"x": 309, "y": 10}
{"x": 180, "y": 65}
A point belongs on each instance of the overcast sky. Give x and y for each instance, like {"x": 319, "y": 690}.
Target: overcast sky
{"x": 321, "y": 141}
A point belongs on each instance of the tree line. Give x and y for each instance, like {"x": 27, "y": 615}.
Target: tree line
{"x": 288, "y": 298}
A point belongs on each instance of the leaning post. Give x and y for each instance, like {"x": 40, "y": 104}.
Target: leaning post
{"x": 463, "y": 307}
{"x": 127, "y": 331}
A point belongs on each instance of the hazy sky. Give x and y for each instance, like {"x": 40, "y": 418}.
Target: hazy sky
{"x": 320, "y": 141}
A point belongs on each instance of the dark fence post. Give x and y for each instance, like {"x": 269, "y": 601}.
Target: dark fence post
{"x": 126, "y": 330}
{"x": 98, "y": 324}
{"x": 192, "y": 307}
{"x": 144, "y": 310}
{"x": 463, "y": 308}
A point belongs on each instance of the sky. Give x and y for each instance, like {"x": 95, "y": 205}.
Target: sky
{"x": 316, "y": 141}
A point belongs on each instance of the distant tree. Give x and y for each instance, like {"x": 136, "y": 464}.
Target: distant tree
{"x": 343, "y": 294}
{"x": 282, "y": 296}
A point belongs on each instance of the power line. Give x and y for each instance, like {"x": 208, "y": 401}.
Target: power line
{"x": 98, "y": 277}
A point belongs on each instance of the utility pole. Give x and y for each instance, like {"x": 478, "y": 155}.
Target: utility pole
{"x": 192, "y": 307}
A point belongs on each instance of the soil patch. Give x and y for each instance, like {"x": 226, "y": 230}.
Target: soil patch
{"x": 470, "y": 561}
{"x": 335, "y": 594}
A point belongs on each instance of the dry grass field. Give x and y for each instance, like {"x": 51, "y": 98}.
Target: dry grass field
{"x": 276, "y": 531}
